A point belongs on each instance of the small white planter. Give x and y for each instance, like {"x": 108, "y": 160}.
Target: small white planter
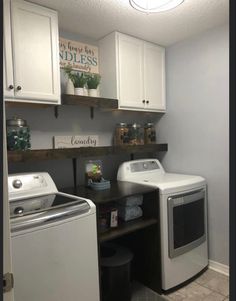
{"x": 93, "y": 92}
{"x": 70, "y": 87}
{"x": 79, "y": 91}
{"x": 85, "y": 92}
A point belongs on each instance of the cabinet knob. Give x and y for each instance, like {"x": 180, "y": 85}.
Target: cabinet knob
{"x": 147, "y": 102}
{"x": 144, "y": 101}
{"x": 10, "y": 87}
{"x": 18, "y": 88}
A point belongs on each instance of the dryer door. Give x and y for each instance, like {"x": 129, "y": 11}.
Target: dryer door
{"x": 186, "y": 222}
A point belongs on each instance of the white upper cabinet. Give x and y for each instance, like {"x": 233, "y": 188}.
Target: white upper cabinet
{"x": 133, "y": 71}
{"x": 35, "y": 53}
{"x": 154, "y": 76}
{"x": 8, "y": 80}
{"x": 130, "y": 72}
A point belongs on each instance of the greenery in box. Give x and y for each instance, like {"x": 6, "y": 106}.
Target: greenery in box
{"x": 93, "y": 80}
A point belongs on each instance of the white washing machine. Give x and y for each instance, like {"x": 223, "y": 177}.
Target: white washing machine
{"x": 54, "y": 241}
{"x": 183, "y": 218}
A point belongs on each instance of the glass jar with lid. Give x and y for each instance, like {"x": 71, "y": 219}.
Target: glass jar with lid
{"x": 149, "y": 133}
{"x": 136, "y": 134}
{"x": 18, "y": 134}
{"x": 121, "y": 134}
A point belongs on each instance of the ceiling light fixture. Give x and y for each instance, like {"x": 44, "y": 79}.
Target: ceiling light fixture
{"x": 154, "y": 6}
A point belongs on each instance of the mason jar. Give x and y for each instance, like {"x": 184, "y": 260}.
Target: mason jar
{"x": 121, "y": 134}
{"x": 136, "y": 134}
{"x": 149, "y": 133}
{"x": 18, "y": 134}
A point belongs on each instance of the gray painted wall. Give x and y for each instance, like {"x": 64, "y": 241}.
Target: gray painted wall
{"x": 73, "y": 120}
{"x": 196, "y": 125}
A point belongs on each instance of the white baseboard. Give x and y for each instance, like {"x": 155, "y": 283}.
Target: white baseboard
{"x": 219, "y": 267}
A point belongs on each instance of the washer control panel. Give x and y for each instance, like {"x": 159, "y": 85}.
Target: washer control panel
{"x": 30, "y": 184}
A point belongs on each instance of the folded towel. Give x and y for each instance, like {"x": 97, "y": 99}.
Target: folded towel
{"x": 128, "y": 213}
{"x": 135, "y": 200}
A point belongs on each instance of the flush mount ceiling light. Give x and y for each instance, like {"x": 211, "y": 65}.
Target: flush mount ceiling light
{"x": 154, "y": 6}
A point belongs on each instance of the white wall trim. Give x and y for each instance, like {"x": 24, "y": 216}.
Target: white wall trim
{"x": 219, "y": 267}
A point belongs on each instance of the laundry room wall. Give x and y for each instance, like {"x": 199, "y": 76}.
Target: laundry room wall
{"x": 196, "y": 125}
{"x": 74, "y": 120}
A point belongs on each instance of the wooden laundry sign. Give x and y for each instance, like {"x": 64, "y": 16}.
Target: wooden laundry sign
{"x": 80, "y": 56}
{"x": 75, "y": 141}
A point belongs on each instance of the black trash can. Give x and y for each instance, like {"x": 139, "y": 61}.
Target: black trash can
{"x": 115, "y": 276}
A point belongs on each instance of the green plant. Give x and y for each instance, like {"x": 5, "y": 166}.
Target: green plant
{"x": 78, "y": 79}
{"x": 68, "y": 71}
{"x": 93, "y": 80}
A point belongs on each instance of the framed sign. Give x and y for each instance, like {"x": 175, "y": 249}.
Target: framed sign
{"x": 75, "y": 141}
{"x": 80, "y": 56}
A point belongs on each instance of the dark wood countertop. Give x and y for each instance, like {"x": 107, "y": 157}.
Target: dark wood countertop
{"x": 117, "y": 191}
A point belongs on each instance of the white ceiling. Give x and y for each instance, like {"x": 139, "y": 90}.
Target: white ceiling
{"x": 96, "y": 18}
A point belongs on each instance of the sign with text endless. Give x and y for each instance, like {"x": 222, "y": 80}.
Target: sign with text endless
{"x": 75, "y": 141}
{"x": 80, "y": 56}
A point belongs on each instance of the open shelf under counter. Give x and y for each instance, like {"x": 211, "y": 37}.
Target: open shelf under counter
{"x": 118, "y": 191}
{"x": 141, "y": 235}
{"x": 126, "y": 228}
{"x": 70, "y": 153}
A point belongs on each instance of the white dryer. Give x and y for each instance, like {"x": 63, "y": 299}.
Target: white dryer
{"x": 183, "y": 218}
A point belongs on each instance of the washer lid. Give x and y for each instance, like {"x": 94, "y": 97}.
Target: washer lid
{"x": 42, "y": 204}
{"x": 32, "y": 212}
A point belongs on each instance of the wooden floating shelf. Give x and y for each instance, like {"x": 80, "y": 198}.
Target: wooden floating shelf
{"x": 73, "y": 100}
{"x": 15, "y": 104}
{"x": 126, "y": 228}
{"x": 69, "y": 153}
{"x": 95, "y": 102}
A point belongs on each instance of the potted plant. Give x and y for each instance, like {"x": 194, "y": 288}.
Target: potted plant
{"x": 69, "y": 86}
{"x": 79, "y": 81}
{"x": 93, "y": 80}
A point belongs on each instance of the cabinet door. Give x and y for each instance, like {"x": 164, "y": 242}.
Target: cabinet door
{"x": 35, "y": 52}
{"x": 7, "y": 53}
{"x": 130, "y": 70}
{"x": 154, "y": 77}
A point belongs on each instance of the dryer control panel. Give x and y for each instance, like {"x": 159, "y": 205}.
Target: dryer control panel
{"x": 144, "y": 166}
{"x": 137, "y": 167}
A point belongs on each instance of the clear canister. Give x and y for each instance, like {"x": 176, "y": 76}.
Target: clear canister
{"x": 136, "y": 134}
{"x": 18, "y": 134}
{"x": 149, "y": 133}
{"x": 121, "y": 134}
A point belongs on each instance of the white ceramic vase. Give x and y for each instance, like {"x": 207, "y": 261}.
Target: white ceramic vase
{"x": 85, "y": 92}
{"x": 93, "y": 92}
{"x": 79, "y": 91}
{"x": 70, "y": 87}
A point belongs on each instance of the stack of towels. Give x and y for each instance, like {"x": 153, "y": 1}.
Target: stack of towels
{"x": 129, "y": 208}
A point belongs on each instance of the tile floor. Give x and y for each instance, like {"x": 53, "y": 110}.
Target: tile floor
{"x": 210, "y": 286}
{"x": 143, "y": 293}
